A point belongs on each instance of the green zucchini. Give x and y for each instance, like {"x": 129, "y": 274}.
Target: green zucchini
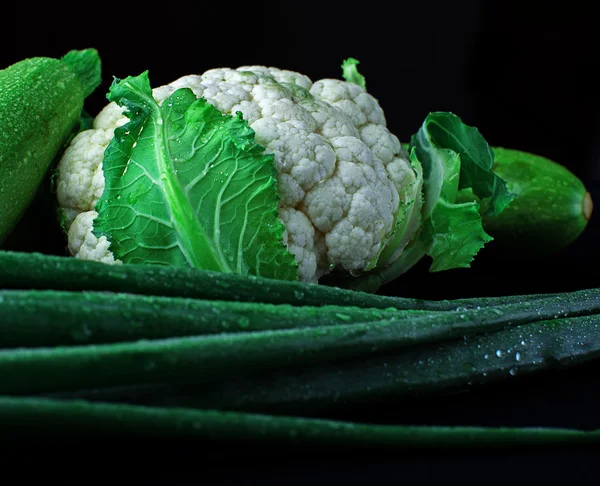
{"x": 552, "y": 207}
{"x": 226, "y": 356}
{"x": 24, "y": 270}
{"x": 47, "y": 419}
{"x": 41, "y": 100}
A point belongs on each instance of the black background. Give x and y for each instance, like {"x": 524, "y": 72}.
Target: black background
{"x": 524, "y": 73}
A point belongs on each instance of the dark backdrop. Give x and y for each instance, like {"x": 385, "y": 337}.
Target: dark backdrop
{"x": 524, "y": 73}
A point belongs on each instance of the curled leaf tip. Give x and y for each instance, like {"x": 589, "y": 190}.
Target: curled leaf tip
{"x": 350, "y": 72}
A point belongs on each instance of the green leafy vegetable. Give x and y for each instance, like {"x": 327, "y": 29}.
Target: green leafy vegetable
{"x": 351, "y": 74}
{"x": 455, "y": 163}
{"x": 457, "y": 166}
{"x": 446, "y": 131}
{"x": 187, "y": 186}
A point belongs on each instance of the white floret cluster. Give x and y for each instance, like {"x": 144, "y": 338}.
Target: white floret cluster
{"x": 341, "y": 172}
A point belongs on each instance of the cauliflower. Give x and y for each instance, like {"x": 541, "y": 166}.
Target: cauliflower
{"x": 341, "y": 174}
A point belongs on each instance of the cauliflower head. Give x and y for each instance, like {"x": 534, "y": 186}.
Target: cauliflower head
{"x": 341, "y": 174}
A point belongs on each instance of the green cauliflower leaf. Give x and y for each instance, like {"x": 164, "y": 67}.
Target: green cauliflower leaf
{"x": 186, "y": 185}
{"x": 457, "y": 171}
{"x": 458, "y": 186}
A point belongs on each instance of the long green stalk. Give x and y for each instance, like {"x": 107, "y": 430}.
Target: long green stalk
{"x": 22, "y": 270}
{"x": 44, "y": 418}
{"x": 448, "y": 367}
{"x": 44, "y": 318}
{"x": 230, "y": 355}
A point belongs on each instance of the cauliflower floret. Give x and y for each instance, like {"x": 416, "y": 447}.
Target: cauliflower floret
{"x": 81, "y": 180}
{"x": 299, "y": 236}
{"x": 302, "y": 158}
{"x": 354, "y": 208}
{"x": 280, "y": 75}
{"x": 341, "y": 173}
{"x": 350, "y": 99}
{"x": 387, "y": 148}
{"x": 84, "y": 244}
{"x": 110, "y": 117}
{"x": 331, "y": 122}
{"x": 384, "y": 144}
